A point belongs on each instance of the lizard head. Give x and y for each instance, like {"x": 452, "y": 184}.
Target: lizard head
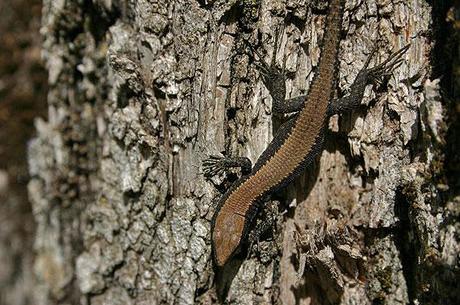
{"x": 227, "y": 235}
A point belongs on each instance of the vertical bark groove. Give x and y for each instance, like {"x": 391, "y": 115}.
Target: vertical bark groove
{"x": 141, "y": 91}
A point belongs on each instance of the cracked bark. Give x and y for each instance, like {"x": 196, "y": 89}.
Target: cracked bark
{"x": 141, "y": 91}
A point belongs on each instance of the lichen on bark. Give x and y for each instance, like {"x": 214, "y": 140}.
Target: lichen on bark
{"x": 142, "y": 91}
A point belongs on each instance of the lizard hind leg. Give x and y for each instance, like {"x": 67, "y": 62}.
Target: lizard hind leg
{"x": 274, "y": 79}
{"x": 389, "y": 65}
{"x": 365, "y": 77}
{"x": 273, "y": 76}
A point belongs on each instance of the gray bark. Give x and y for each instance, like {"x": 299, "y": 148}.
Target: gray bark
{"x": 142, "y": 91}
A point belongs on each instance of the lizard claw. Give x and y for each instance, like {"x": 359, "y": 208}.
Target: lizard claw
{"x": 385, "y": 68}
{"x": 267, "y": 225}
{"x": 213, "y": 166}
{"x": 270, "y": 72}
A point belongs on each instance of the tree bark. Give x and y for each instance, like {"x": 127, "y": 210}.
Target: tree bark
{"x": 22, "y": 98}
{"x": 142, "y": 91}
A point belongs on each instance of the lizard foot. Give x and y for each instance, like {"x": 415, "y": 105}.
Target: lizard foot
{"x": 273, "y": 76}
{"x": 385, "y": 68}
{"x": 213, "y": 166}
{"x": 216, "y": 165}
{"x": 266, "y": 227}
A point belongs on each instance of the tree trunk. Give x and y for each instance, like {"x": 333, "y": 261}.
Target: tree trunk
{"x": 22, "y": 98}
{"x": 142, "y": 91}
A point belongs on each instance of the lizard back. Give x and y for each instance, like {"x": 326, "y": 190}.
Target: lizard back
{"x": 286, "y": 156}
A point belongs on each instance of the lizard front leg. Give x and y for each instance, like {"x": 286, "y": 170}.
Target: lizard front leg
{"x": 265, "y": 230}
{"x": 364, "y": 78}
{"x": 215, "y": 165}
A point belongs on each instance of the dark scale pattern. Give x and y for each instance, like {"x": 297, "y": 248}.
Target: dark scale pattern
{"x": 290, "y": 152}
{"x": 297, "y": 143}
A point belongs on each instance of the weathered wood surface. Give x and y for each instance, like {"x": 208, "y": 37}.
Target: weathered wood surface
{"x": 141, "y": 91}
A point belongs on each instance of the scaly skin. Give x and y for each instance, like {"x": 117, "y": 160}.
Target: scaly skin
{"x": 294, "y": 146}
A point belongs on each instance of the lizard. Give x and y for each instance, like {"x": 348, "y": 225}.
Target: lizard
{"x": 296, "y": 143}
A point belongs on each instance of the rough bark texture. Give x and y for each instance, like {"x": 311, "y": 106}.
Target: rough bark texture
{"x": 142, "y": 91}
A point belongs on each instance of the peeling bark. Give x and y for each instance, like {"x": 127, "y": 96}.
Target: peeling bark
{"x": 142, "y": 91}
